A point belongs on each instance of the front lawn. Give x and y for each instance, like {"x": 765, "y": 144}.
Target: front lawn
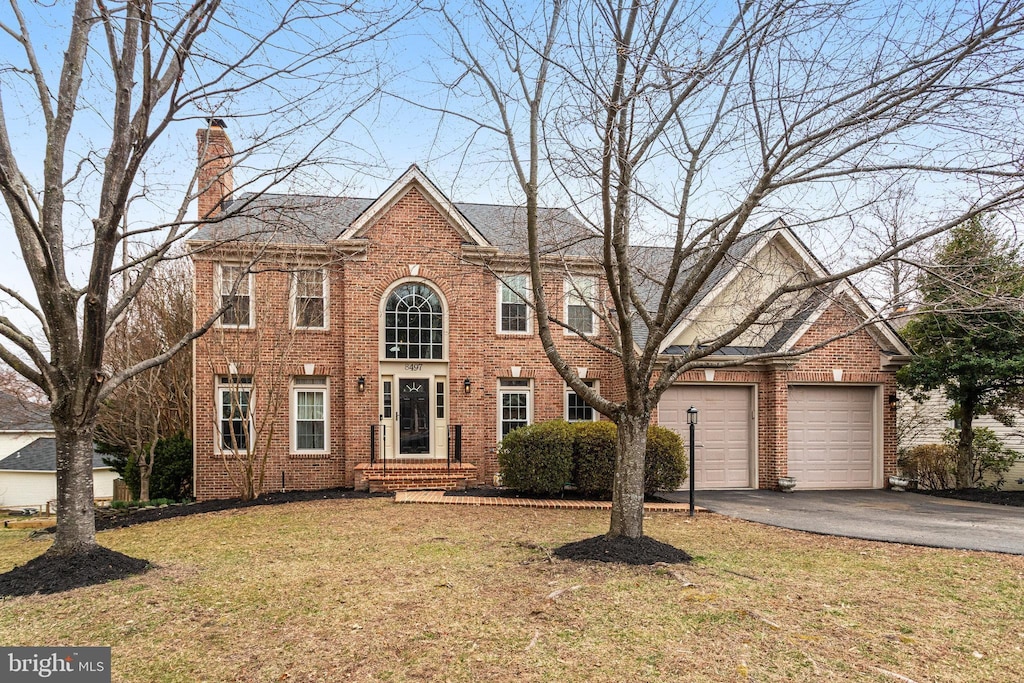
{"x": 369, "y": 590}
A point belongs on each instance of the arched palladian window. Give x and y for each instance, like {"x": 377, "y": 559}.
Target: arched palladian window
{"x": 413, "y": 323}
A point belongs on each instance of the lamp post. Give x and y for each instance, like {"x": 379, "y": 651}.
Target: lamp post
{"x": 691, "y": 419}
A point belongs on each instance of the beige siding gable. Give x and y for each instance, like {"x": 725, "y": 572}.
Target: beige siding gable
{"x": 773, "y": 266}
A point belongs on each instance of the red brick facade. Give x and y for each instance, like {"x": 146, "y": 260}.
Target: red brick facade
{"x": 413, "y": 242}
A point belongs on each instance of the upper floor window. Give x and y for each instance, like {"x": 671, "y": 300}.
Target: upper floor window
{"x": 309, "y": 299}
{"x": 235, "y": 290}
{"x": 580, "y": 297}
{"x": 514, "y": 314}
{"x": 413, "y": 323}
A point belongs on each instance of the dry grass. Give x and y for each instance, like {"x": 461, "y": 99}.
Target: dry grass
{"x": 370, "y": 590}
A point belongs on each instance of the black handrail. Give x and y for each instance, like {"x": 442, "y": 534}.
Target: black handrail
{"x": 373, "y": 444}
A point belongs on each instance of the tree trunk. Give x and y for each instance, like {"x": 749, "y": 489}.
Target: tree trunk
{"x": 628, "y": 487}
{"x": 965, "y": 447}
{"x": 76, "y": 519}
{"x": 145, "y": 473}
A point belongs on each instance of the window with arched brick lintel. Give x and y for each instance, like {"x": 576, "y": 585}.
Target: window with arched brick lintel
{"x": 414, "y": 323}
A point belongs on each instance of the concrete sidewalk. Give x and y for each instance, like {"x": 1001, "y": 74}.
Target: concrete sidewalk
{"x": 910, "y": 518}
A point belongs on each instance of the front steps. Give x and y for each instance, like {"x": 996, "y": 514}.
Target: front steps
{"x": 400, "y": 476}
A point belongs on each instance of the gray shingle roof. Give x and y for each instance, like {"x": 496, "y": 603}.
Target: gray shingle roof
{"x": 19, "y": 415}
{"x": 306, "y": 219}
{"x": 40, "y": 456}
{"x": 652, "y": 265}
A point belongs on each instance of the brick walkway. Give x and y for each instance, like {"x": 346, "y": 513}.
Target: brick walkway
{"x": 438, "y": 497}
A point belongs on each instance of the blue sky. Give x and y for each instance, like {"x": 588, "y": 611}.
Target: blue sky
{"x": 360, "y": 158}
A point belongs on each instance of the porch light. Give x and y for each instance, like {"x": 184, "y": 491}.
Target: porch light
{"x": 467, "y": 385}
{"x": 691, "y": 416}
{"x": 361, "y": 384}
{"x": 894, "y": 399}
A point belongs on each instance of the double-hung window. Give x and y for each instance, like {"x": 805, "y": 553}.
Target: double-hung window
{"x": 309, "y": 299}
{"x": 514, "y": 409}
{"x": 235, "y": 285}
{"x": 234, "y": 399}
{"x": 580, "y": 297}
{"x": 309, "y": 414}
{"x": 514, "y": 313}
{"x": 577, "y": 409}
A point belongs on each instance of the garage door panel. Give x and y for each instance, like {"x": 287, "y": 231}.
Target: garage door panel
{"x": 831, "y": 436}
{"x": 723, "y": 445}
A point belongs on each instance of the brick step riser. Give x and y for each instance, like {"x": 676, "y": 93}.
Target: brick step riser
{"x": 406, "y": 481}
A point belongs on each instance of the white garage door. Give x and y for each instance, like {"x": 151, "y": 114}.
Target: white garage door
{"x": 831, "y": 432}
{"x": 723, "y": 432}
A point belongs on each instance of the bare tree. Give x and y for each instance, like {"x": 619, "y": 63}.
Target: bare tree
{"x": 156, "y": 403}
{"x": 689, "y": 124}
{"x": 252, "y": 400}
{"x": 108, "y": 110}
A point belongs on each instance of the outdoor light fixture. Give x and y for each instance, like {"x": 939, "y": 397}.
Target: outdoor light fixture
{"x": 691, "y": 419}
{"x": 361, "y": 384}
{"x": 467, "y": 385}
{"x": 894, "y": 399}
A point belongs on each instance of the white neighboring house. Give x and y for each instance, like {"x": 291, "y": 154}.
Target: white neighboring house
{"x": 924, "y": 423}
{"x": 28, "y": 457}
{"x": 21, "y": 423}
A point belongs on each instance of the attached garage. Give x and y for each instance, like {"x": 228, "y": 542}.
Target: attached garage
{"x": 832, "y": 436}
{"x": 723, "y": 437}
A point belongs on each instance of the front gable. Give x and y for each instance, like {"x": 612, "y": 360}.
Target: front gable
{"x": 778, "y": 259}
{"x": 413, "y": 180}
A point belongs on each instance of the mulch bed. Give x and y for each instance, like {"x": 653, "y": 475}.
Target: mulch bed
{"x": 54, "y": 573}
{"x": 568, "y": 494}
{"x": 110, "y": 518}
{"x": 641, "y": 551}
{"x": 1013, "y": 498}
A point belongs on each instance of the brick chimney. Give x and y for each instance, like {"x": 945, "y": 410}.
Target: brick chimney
{"x": 215, "y": 182}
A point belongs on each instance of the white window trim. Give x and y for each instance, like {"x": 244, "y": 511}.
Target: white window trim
{"x": 502, "y": 391}
{"x": 293, "y": 290}
{"x": 570, "y": 292}
{"x": 529, "y": 316}
{"x": 595, "y": 385}
{"x": 293, "y": 411}
{"x": 218, "y": 436}
{"x": 218, "y": 291}
{"x": 381, "y": 317}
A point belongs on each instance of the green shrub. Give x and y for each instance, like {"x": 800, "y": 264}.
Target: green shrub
{"x": 537, "y": 458}
{"x": 991, "y": 458}
{"x": 932, "y": 465}
{"x": 596, "y": 444}
{"x": 172, "y": 468}
{"x": 594, "y": 448}
{"x": 665, "y": 465}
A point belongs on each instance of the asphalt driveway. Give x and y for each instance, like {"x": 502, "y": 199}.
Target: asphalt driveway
{"x": 877, "y": 516}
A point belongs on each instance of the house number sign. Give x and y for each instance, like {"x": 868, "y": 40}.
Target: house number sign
{"x": 414, "y": 367}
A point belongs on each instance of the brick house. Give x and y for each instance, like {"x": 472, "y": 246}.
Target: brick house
{"x": 384, "y": 343}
